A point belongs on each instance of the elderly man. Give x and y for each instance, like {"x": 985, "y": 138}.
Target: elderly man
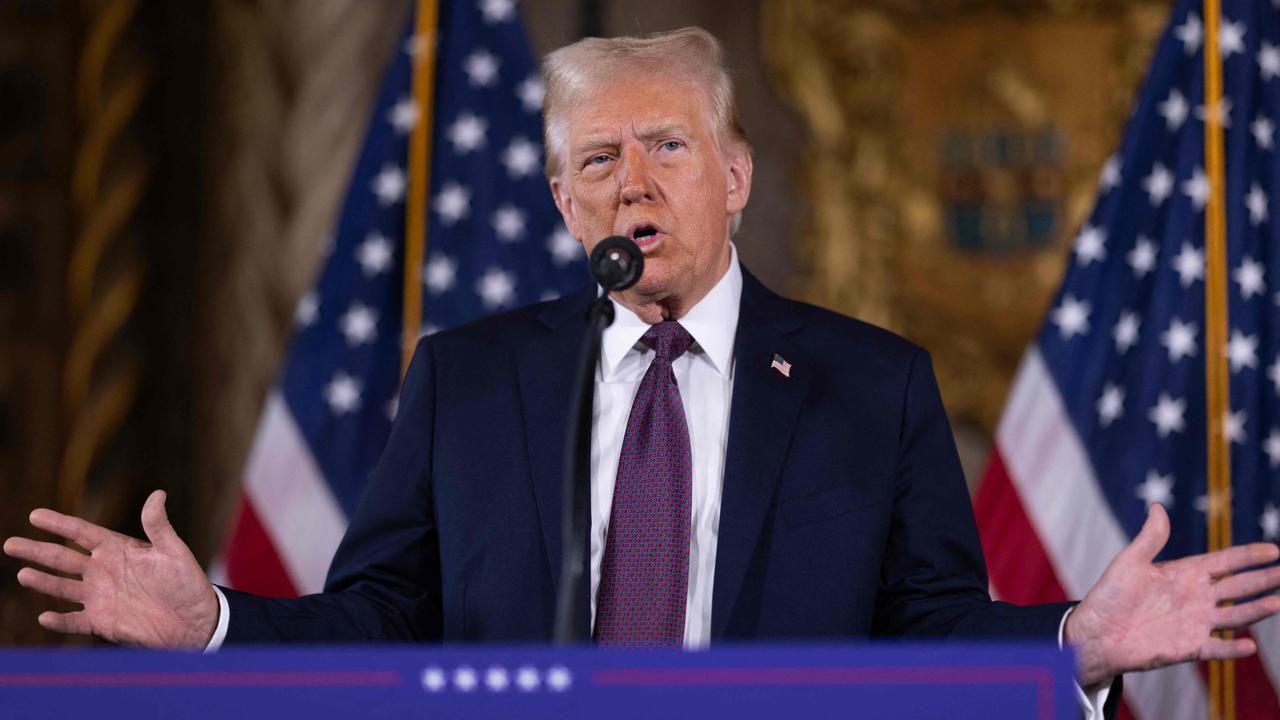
{"x": 760, "y": 468}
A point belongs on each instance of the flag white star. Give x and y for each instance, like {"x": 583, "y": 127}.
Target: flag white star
{"x": 1233, "y": 426}
{"x": 497, "y": 288}
{"x": 1242, "y": 351}
{"x": 1111, "y": 175}
{"x": 343, "y": 394}
{"x": 1256, "y": 201}
{"x": 1221, "y": 112}
{"x": 1230, "y": 38}
{"x": 1180, "y": 339}
{"x": 1158, "y": 184}
{"x": 1142, "y": 258}
{"x": 1249, "y": 276}
{"x": 1269, "y": 521}
{"x": 440, "y": 274}
{"x": 374, "y": 254}
{"x": 531, "y": 93}
{"x": 308, "y": 310}
{"x": 1156, "y": 488}
{"x": 481, "y": 68}
{"x": 563, "y": 248}
{"x": 1263, "y": 132}
{"x": 1072, "y": 317}
{"x": 1273, "y": 374}
{"x": 1091, "y": 245}
{"x": 1269, "y": 60}
{"x": 1167, "y": 415}
{"x": 1110, "y": 404}
{"x": 508, "y": 223}
{"x": 389, "y": 185}
{"x": 1174, "y": 110}
{"x": 1197, "y": 188}
{"x": 403, "y": 116}
{"x": 1126, "y": 331}
{"x": 359, "y": 324}
{"x": 1190, "y": 33}
{"x": 467, "y": 133}
{"x": 393, "y": 407}
{"x": 453, "y": 203}
{"x": 521, "y": 158}
{"x": 1189, "y": 264}
{"x": 1271, "y": 446}
{"x": 549, "y": 295}
{"x": 496, "y": 11}
{"x": 416, "y": 45}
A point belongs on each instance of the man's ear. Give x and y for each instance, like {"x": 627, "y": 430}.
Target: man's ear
{"x": 564, "y": 203}
{"x": 739, "y": 179}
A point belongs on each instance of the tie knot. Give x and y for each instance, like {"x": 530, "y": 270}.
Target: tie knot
{"x": 668, "y": 339}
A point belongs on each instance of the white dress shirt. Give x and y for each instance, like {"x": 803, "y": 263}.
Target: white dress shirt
{"x": 704, "y": 375}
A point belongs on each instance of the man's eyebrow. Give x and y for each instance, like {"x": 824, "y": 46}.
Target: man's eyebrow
{"x": 663, "y": 130}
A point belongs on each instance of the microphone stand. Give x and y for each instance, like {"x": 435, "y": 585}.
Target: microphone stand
{"x": 577, "y": 477}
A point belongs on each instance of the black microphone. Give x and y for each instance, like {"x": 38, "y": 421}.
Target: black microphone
{"x": 616, "y": 263}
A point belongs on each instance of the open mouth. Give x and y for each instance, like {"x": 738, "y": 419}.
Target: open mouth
{"x": 645, "y": 234}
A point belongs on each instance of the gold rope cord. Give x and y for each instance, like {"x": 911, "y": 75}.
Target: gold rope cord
{"x": 104, "y": 277}
{"x": 1217, "y": 381}
{"x": 415, "y": 235}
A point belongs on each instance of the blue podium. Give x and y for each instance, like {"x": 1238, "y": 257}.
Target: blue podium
{"x": 759, "y": 681}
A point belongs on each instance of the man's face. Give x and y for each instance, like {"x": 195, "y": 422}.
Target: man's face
{"x": 643, "y": 161}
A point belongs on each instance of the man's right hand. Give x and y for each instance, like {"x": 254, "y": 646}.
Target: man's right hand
{"x": 134, "y": 593}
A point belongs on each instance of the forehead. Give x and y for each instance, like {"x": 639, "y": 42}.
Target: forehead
{"x": 640, "y": 100}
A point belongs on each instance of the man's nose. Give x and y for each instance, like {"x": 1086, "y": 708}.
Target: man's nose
{"x": 637, "y": 181}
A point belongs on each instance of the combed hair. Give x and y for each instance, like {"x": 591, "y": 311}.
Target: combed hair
{"x": 575, "y": 71}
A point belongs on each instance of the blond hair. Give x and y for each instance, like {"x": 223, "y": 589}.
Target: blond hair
{"x": 575, "y": 71}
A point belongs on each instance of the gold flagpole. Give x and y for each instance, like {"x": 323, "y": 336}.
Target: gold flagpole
{"x": 415, "y": 235}
{"x": 1217, "y": 380}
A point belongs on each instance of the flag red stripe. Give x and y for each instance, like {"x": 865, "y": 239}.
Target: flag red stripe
{"x": 253, "y": 565}
{"x": 1013, "y": 548}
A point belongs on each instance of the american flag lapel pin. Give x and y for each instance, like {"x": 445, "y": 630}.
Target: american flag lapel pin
{"x": 782, "y": 366}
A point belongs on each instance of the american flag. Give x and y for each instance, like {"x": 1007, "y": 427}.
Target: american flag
{"x": 1107, "y": 412}
{"x": 494, "y": 242}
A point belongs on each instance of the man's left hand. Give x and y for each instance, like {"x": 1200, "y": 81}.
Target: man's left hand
{"x": 1142, "y": 615}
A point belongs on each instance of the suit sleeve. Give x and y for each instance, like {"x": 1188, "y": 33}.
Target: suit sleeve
{"x": 384, "y": 582}
{"x": 933, "y": 581}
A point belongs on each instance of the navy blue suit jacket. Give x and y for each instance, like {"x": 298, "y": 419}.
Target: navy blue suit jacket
{"x": 844, "y": 513}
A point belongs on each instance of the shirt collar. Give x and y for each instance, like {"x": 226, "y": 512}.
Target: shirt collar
{"x": 713, "y": 322}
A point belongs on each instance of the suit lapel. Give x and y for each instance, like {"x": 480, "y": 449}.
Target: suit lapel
{"x": 546, "y": 367}
{"x": 763, "y": 414}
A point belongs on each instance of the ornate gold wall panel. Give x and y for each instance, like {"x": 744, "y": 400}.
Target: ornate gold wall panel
{"x": 954, "y": 148}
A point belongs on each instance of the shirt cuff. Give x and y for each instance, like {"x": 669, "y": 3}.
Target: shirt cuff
{"x": 1091, "y": 703}
{"x": 224, "y": 620}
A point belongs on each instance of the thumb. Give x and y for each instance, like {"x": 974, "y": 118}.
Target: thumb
{"x": 1153, "y": 536}
{"x": 155, "y": 522}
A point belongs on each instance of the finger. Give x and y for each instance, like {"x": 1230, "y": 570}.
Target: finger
{"x": 155, "y": 522}
{"x": 51, "y": 585}
{"x": 1245, "y": 614}
{"x": 1154, "y": 534}
{"x": 75, "y": 623}
{"x": 1233, "y": 649}
{"x": 81, "y": 532}
{"x": 1239, "y": 557}
{"x": 51, "y": 555}
{"x": 1248, "y": 584}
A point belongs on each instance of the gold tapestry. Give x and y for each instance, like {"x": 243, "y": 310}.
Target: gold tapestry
{"x": 954, "y": 149}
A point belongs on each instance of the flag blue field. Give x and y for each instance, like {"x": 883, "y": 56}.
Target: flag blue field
{"x": 494, "y": 242}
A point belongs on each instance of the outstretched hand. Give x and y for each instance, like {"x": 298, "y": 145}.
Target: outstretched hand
{"x": 151, "y": 594}
{"x": 1143, "y": 615}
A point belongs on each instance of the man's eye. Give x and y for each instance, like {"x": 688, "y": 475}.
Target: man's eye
{"x": 672, "y": 145}
{"x": 598, "y": 160}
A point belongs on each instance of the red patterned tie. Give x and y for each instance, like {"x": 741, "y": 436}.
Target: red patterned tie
{"x": 644, "y": 575}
